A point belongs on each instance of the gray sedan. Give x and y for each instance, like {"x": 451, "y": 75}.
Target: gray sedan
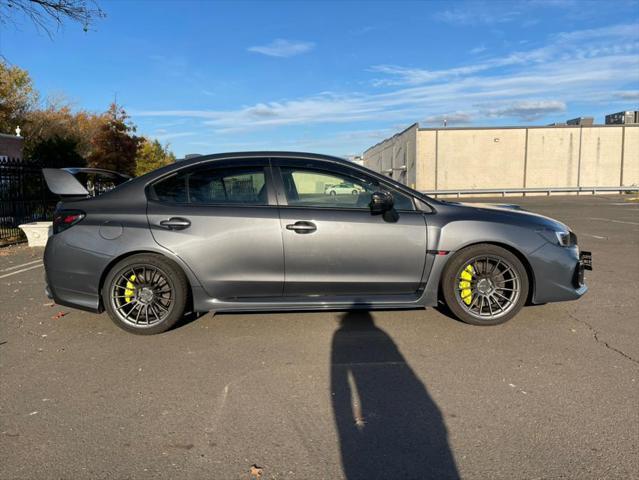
{"x": 258, "y": 231}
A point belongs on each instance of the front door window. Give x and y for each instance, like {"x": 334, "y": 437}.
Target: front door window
{"x": 318, "y": 188}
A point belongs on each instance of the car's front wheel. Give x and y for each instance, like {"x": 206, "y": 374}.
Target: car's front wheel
{"x": 145, "y": 294}
{"x": 485, "y": 285}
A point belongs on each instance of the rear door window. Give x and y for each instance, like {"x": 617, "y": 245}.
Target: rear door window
{"x": 215, "y": 186}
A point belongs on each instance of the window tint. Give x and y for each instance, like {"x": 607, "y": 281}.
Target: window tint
{"x": 315, "y": 188}
{"x": 215, "y": 186}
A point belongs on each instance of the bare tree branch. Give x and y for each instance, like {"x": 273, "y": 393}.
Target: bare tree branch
{"x": 49, "y": 15}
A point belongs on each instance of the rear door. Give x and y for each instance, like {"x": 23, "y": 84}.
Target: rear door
{"x": 221, "y": 218}
{"x": 333, "y": 245}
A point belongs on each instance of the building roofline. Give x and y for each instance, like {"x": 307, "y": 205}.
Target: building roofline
{"x": 526, "y": 127}
{"x": 416, "y": 124}
{"x": 497, "y": 127}
{"x": 9, "y": 135}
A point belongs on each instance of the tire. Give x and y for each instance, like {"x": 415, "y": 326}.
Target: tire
{"x": 484, "y": 285}
{"x": 332, "y": 193}
{"x": 145, "y": 294}
{"x": 355, "y": 192}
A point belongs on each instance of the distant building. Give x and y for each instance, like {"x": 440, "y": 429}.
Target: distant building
{"x": 10, "y": 147}
{"x": 623, "y": 118}
{"x": 583, "y": 121}
{"x": 355, "y": 159}
{"x": 188, "y": 156}
{"x": 515, "y": 157}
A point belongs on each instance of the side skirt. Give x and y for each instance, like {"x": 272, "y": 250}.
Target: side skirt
{"x": 203, "y": 303}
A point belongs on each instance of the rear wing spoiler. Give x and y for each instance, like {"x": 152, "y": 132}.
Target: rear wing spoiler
{"x": 81, "y": 182}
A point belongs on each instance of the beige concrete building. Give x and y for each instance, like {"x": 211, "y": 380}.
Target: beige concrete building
{"x": 510, "y": 157}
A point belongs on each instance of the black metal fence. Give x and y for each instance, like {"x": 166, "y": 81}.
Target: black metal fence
{"x": 24, "y": 197}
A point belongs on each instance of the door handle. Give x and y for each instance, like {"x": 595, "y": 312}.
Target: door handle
{"x": 176, "y": 223}
{"x": 302, "y": 227}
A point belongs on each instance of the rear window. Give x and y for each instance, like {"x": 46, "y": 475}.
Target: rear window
{"x": 98, "y": 183}
{"x": 214, "y": 186}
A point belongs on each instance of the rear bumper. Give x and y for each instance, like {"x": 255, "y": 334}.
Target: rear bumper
{"x": 72, "y": 276}
{"x": 559, "y": 274}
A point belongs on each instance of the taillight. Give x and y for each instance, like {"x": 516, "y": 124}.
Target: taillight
{"x": 65, "y": 219}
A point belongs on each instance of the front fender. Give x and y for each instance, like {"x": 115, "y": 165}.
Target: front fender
{"x": 459, "y": 234}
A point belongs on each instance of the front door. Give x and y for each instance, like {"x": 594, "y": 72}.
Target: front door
{"x": 333, "y": 245}
{"x": 222, "y": 220}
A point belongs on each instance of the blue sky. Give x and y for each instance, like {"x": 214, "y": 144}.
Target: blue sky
{"x": 336, "y": 77}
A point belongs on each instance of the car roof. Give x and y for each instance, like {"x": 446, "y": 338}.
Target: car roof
{"x": 261, "y": 154}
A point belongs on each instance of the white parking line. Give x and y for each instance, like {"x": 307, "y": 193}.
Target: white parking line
{"x": 20, "y": 271}
{"x": 18, "y": 266}
{"x": 613, "y": 221}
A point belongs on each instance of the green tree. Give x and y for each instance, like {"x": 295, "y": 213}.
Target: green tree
{"x": 17, "y": 97}
{"x": 114, "y": 145}
{"x": 152, "y": 155}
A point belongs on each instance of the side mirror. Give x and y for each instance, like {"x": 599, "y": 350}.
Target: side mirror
{"x": 381, "y": 202}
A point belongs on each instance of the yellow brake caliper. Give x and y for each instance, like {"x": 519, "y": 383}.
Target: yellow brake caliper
{"x": 130, "y": 289}
{"x": 464, "y": 284}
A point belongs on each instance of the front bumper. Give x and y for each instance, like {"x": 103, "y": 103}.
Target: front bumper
{"x": 558, "y": 273}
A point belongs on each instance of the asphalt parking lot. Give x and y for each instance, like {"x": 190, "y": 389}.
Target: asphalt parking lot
{"x": 553, "y": 394}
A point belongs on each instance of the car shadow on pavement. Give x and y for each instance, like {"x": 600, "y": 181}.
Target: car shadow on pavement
{"x": 188, "y": 317}
{"x": 388, "y": 425}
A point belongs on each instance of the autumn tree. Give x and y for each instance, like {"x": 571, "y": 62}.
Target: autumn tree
{"x": 58, "y": 152}
{"x": 17, "y": 97}
{"x": 115, "y": 146}
{"x": 56, "y": 132}
{"x": 49, "y": 14}
{"x": 152, "y": 155}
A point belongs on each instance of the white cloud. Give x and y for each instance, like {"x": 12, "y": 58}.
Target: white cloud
{"x": 452, "y": 118}
{"x": 494, "y": 13}
{"x": 163, "y": 135}
{"x": 283, "y": 48}
{"x": 478, "y": 49}
{"x": 525, "y": 85}
{"x": 527, "y": 110}
{"x": 628, "y": 95}
{"x": 612, "y": 40}
{"x": 467, "y": 15}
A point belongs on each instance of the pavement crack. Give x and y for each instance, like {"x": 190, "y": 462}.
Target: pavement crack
{"x": 595, "y": 335}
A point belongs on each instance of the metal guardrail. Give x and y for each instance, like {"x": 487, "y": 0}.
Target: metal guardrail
{"x": 548, "y": 190}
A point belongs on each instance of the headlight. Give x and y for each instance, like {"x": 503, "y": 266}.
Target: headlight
{"x": 564, "y": 238}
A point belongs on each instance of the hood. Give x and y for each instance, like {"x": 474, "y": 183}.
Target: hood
{"x": 491, "y": 206}
{"x": 509, "y": 213}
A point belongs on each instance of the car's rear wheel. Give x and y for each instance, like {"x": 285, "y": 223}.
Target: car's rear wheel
{"x": 145, "y": 294}
{"x": 485, "y": 285}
